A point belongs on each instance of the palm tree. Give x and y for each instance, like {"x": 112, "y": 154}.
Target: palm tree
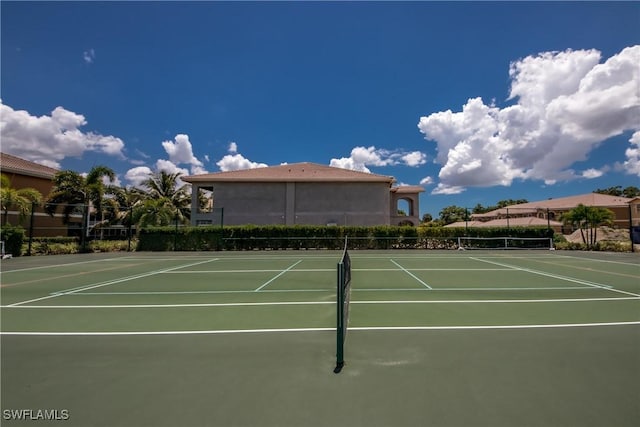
{"x": 588, "y": 218}
{"x": 127, "y": 199}
{"x": 154, "y": 212}
{"x": 22, "y": 199}
{"x": 597, "y": 217}
{"x": 164, "y": 186}
{"x": 75, "y": 193}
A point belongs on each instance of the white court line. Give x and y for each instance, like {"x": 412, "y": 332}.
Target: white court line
{"x": 245, "y": 291}
{"x": 452, "y": 289}
{"x": 281, "y": 273}
{"x": 557, "y": 276}
{"x": 333, "y": 329}
{"x": 324, "y": 270}
{"x": 602, "y": 260}
{"x": 412, "y": 275}
{"x": 60, "y": 265}
{"x": 309, "y": 270}
{"x": 110, "y": 282}
{"x": 194, "y": 305}
{"x": 364, "y": 302}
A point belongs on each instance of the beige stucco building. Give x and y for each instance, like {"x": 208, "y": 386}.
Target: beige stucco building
{"x": 304, "y": 194}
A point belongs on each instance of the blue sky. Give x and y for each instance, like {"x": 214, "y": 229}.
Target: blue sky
{"x": 477, "y": 102}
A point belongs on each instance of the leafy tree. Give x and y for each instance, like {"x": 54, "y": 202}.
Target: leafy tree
{"x": 612, "y": 191}
{"x": 154, "y": 212}
{"x": 127, "y": 200}
{"x": 588, "y": 219}
{"x": 21, "y": 199}
{"x": 163, "y": 187}
{"x": 75, "y": 193}
{"x": 509, "y": 202}
{"x": 478, "y": 209}
{"x": 629, "y": 192}
{"x": 427, "y": 218}
{"x": 451, "y": 214}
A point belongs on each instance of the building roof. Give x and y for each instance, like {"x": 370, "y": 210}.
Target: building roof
{"x": 296, "y": 172}
{"x": 530, "y": 221}
{"x": 407, "y": 189}
{"x": 16, "y": 165}
{"x": 562, "y": 203}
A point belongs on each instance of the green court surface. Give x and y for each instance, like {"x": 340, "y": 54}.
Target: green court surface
{"x": 470, "y": 338}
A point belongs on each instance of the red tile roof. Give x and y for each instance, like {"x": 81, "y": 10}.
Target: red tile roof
{"x": 296, "y": 172}
{"x": 562, "y": 203}
{"x": 530, "y": 221}
{"x": 13, "y": 164}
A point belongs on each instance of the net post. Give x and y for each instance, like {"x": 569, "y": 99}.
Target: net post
{"x": 339, "y": 321}
{"x": 340, "y": 310}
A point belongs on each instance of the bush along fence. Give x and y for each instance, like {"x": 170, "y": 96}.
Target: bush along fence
{"x": 317, "y": 237}
{"x": 239, "y": 238}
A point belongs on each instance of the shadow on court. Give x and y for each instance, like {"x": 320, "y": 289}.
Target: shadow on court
{"x": 579, "y": 376}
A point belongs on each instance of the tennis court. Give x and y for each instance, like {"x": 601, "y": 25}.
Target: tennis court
{"x": 469, "y": 338}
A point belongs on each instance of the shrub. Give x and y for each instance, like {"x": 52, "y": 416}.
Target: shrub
{"x": 12, "y": 237}
{"x": 280, "y": 237}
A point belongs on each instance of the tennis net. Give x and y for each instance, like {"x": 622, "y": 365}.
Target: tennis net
{"x": 505, "y": 243}
{"x": 343, "y": 298}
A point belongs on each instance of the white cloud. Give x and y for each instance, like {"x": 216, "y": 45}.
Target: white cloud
{"x": 632, "y": 164}
{"x": 427, "y": 180}
{"x": 137, "y": 175}
{"x": 447, "y": 189}
{"x": 50, "y": 139}
{"x": 592, "y": 173}
{"x": 236, "y": 161}
{"x": 567, "y": 104}
{"x": 415, "y": 158}
{"x": 181, "y": 152}
{"x": 349, "y": 163}
{"x": 89, "y": 56}
{"x": 361, "y": 157}
{"x": 170, "y": 167}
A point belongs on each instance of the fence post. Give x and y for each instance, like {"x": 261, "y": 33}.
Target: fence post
{"x": 175, "y": 236}
{"x": 548, "y": 220}
{"x": 129, "y": 228}
{"x": 33, "y": 209}
{"x": 631, "y": 227}
{"x": 84, "y": 228}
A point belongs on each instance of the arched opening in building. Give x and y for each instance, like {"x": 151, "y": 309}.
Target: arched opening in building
{"x": 405, "y": 207}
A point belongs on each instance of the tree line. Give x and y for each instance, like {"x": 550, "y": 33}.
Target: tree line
{"x": 160, "y": 200}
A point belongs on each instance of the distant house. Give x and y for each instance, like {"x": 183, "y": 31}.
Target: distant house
{"x": 304, "y": 193}
{"x": 549, "y": 212}
{"x": 26, "y": 174}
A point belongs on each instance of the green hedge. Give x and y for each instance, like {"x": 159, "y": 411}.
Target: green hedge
{"x": 72, "y": 245}
{"x": 12, "y": 237}
{"x": 53, "y": 246}
{"x": 279, "y": 237}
